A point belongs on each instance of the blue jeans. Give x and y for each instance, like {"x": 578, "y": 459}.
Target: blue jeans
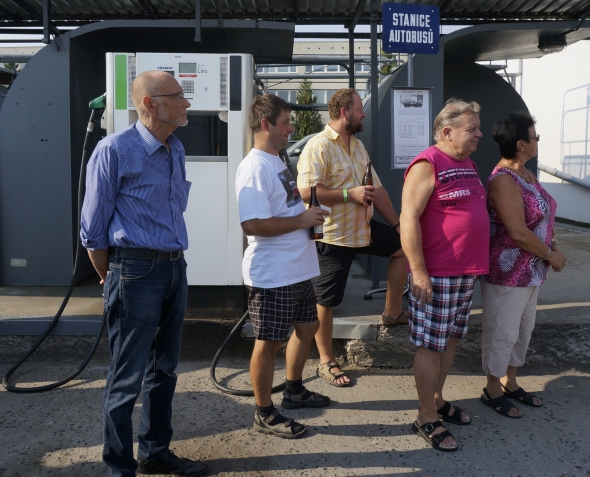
{"x": 145, "y": 302}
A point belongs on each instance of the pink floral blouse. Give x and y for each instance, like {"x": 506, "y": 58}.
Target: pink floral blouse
{"x": 509, "y": 264}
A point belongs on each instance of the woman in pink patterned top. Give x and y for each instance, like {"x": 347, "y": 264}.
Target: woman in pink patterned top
{"x": 522, "y": 215}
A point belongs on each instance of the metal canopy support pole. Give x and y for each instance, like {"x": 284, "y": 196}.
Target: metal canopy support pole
{"x": 410, "y": 69}
{"x": 44, "y": 17}
{"x": 198, "y": 21}
{"x": 46, "y": 22}
{"x": 351, "y": 57}
{"x": 374, "y": 114}
{"x": 358, "y": 11}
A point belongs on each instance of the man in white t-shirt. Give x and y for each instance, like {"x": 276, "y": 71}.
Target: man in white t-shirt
{"x": 278, "y": 266}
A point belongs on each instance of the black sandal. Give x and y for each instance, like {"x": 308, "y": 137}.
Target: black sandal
{"x": 288, "y": 429}
{"x": 402, "y": 319}
{"x": 522, "y": 396}
{"x": 455, "y": 418}
{"x": 435, "y": 441}
{"x": 500, "y": 404}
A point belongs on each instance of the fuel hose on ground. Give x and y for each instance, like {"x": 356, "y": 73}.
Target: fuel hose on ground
{"x": 221, "y": 387}
{"x": 97, "y": 107}
{"x": 243, "y": 392}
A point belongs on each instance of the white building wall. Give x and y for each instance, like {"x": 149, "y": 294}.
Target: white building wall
{"x": 556, "y": 89}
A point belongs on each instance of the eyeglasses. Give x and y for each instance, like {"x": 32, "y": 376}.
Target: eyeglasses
{"x": 536, "y": 138}
{"x": 179, "y": 96}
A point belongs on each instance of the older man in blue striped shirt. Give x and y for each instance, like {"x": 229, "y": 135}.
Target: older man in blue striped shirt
{"x": 134, "y": 230}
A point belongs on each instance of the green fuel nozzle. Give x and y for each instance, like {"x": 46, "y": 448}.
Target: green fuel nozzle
{"x": 98, "y": 103}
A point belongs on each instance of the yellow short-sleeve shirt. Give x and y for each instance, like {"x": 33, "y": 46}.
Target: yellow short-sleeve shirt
{"x": 325, "y": 159}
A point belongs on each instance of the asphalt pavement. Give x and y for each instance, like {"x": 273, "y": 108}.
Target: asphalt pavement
{"x": 364, "y": 432}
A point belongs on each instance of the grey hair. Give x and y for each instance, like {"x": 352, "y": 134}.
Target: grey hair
{"x": 449, "y": 115}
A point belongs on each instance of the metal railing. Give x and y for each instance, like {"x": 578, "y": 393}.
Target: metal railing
{"x": 562, "y": 175}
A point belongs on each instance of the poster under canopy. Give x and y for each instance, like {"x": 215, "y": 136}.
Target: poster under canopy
{"x": 411, "y": 123}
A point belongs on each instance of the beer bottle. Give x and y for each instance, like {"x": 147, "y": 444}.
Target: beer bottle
{"x": 317, "y": 231}
{"x": 368, "y": 178}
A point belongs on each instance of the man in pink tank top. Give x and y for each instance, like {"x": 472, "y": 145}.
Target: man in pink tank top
{"x": 445, "y": 236}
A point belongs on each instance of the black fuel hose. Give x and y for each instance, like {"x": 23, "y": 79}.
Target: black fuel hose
{"x": 221, "y": 387}
{"x": 96, "y": 113}
{"x": 243, "y": 392}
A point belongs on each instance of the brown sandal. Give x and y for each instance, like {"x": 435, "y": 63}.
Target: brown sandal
{"x": 323, "y": 371}
{"x": 402, "y": 319}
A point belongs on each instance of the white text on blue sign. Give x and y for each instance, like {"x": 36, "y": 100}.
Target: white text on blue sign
{"x": 410, "y": 28}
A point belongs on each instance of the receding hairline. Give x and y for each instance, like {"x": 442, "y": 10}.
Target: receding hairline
{"x": 148, "y": 83}
{"x": 452, "y": 112}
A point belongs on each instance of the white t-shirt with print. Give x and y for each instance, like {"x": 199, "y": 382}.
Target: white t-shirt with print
{"x": 265, "y": 188}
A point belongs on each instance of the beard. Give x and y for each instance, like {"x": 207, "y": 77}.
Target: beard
{"x": 354, "y": 128}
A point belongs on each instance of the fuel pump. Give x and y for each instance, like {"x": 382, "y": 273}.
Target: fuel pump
{"x": 220, "y": 88}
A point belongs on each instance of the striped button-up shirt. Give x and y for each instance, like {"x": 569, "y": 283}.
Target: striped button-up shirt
{"x": 136, "y": 193}
{"x": 326, "y": 159}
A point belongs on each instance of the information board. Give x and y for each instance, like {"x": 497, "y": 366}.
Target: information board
{"x": 411, "y": 123}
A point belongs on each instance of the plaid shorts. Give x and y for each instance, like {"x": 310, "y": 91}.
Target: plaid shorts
{"x": 274, "y": 310}
{"x": 432, "y": 324}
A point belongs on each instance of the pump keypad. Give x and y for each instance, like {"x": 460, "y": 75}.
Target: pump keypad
{"x": 188, "y": 86}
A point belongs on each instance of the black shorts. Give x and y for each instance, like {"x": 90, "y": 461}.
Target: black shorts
{"x": 335, "y": 262}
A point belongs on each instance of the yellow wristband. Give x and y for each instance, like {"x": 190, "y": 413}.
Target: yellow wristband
{"x": 345, "y": 194}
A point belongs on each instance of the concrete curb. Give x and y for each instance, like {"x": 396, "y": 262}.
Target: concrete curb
{"x": 553, "y": 348}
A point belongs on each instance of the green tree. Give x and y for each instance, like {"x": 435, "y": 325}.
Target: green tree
{"x": 306, "y": 122}
{"x": 388, "y": 68}
{"x": 12, "y": 66}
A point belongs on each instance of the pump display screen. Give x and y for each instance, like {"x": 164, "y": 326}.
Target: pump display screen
{"x": 187, "y": 68}
{"x": 200, "y": 75}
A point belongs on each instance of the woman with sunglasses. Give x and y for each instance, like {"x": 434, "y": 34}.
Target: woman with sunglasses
{"x": 522, "y": 247}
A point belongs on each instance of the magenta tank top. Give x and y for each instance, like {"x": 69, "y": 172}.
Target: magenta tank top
{"x": 455, "y": 225}
{"x": 510, "y": 265}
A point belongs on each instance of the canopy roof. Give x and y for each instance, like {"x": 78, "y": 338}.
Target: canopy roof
{"x": 29, "y": 13}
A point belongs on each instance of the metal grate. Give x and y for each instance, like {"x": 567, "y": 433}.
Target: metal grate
{"x": 223, "y": 83}
{"x": 132, "y": 73}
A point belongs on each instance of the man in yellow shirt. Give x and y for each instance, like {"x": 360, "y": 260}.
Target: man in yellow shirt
{"x": 335, "y": 162}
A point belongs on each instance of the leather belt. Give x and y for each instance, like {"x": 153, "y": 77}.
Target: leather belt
{"x": 144, "y": 254}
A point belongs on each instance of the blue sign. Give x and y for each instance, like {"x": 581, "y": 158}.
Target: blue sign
{"x": 410, "y": 28}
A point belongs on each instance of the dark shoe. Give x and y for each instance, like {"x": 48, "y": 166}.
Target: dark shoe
{"x": 500, "y": 404}
{"x": 295, "y": 401}
{"x": 434, "y": 440}
{"x": 170, "y": 464}
{"x": 522, "y": 396}
{"x": 455, "y": 418}
{"x": 288, "y": 429}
